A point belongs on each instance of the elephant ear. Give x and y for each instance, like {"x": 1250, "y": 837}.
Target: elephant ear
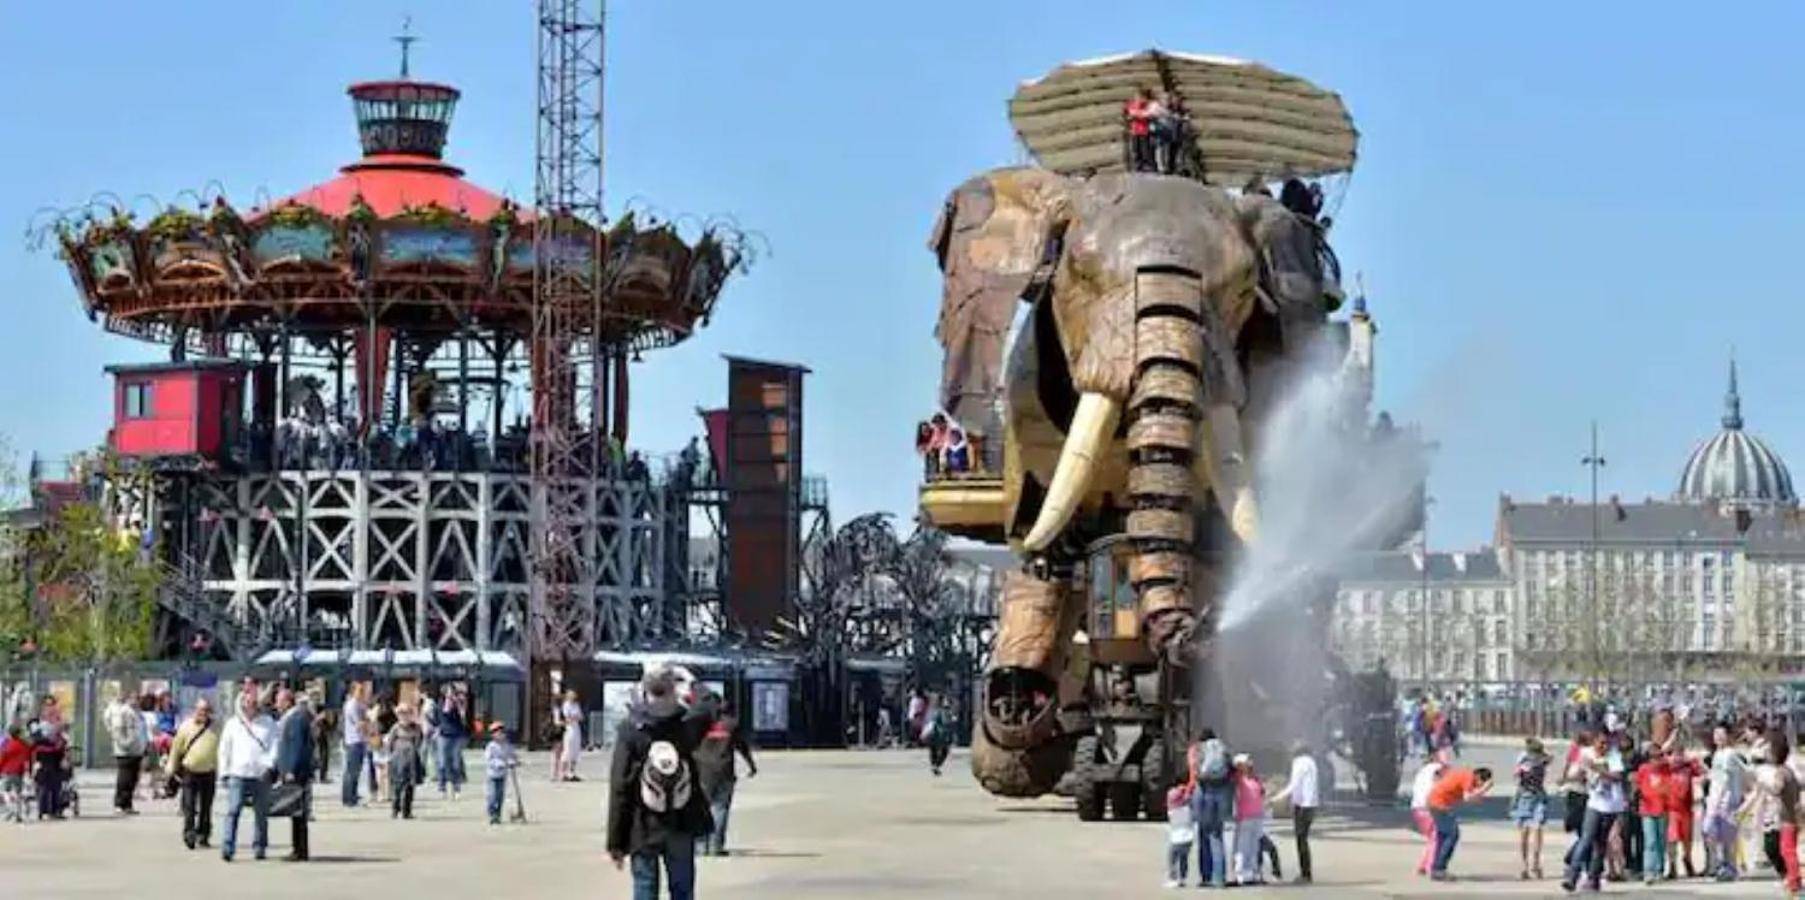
{"x": 991, "y": 241}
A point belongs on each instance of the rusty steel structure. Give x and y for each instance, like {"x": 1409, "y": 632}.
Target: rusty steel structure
{"x": 393, "y": 420}
{"x": 570, "y": 347}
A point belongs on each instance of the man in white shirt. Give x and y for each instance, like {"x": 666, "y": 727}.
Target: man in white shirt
{"x": 1305, "y": 793}
{"x": 130, "y": 738}
{"x": 1605, "y": 802}
{"x": 351, "y": 719}
{"x": 247, "y": 753}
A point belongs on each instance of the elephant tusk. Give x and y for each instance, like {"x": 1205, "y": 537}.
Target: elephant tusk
{"x": 1224, "y": 464}
{"x": 1092, "y": 425}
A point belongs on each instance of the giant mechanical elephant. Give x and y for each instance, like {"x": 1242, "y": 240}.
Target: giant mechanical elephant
{"x": 1162, "y": 312}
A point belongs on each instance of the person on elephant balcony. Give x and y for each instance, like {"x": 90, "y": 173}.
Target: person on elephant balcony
{"x": 1168, "y": 132}
{"x": 937, "y": 434}
{"x": 958, "y": 452}
{"x": 1142, "y": 111}
{"x": 924, "y": 436}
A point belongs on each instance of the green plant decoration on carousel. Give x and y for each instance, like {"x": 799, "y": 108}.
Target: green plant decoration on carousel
{"x": 431, "y": 214}
{"x": 175, "y": 224}
{"x": 116, "y": 228}
{"x": 505, "y": 216}
{"x": 296, "y": 215}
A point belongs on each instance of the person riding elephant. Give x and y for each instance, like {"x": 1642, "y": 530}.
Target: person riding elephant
{"x": 1161, "y": 313}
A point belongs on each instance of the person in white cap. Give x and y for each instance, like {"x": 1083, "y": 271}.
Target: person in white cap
{"x": 1250, "y": 820}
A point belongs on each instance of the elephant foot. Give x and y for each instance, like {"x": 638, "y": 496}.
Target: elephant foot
{"x": 1023, "y": 772}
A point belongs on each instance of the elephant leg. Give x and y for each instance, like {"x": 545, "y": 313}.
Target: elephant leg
{"x": 1018, "y": 750}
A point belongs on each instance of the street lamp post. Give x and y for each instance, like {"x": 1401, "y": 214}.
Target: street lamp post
{"x": 1594, "y": 462}
{"x": 1423, "y": 628}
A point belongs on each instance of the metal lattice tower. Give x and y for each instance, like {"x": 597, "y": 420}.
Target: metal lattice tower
{"x": 568, "y": 350}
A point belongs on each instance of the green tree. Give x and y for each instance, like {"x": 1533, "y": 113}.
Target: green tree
{"x": 97, "y": 596}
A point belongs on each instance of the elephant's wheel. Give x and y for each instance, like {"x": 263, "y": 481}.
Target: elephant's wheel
{"x": 1085, "y": 790}
{"x": 1124, "y": 801}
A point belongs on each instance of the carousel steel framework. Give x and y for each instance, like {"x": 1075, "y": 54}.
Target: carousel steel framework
{"x": 387, "y": 483}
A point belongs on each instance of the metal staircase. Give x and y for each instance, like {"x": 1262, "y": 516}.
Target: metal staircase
{"x": 183, "y": 594}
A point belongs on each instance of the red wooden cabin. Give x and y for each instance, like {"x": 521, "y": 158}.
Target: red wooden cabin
{"x": 173, "y": 410}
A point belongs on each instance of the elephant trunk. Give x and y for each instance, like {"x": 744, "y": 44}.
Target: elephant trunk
{"x": 1173, "y": 432}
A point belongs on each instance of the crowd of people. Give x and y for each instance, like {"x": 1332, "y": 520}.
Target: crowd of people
{"x": 1635, "y": 802}
{"x": 1222, "y": 807}
{"x": 1158, "y": 128}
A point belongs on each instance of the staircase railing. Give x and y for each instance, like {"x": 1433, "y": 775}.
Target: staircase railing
{"x": 183, "y": 593}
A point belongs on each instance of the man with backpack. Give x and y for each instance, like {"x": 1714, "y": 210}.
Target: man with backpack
{"x": 1210, "y": 805}
{"x": 656, "y": 806}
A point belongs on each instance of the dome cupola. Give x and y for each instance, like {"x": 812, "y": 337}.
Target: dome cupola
{"x": 1735, "y": 468}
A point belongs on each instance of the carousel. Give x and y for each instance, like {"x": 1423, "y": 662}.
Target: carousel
{"x": 334, "y": 457}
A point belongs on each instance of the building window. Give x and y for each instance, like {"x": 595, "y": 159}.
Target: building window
{"x": 137, "y": 400}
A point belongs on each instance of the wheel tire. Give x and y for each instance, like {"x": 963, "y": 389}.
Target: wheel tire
{"x": 1154, "y": 782}
{"x": 1124, "y": 801}
{"x": 1085, "y": 790}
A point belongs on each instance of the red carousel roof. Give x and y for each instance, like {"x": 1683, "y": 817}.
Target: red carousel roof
{"x": 402, "y": 126}
{"x": 392, "y": 182}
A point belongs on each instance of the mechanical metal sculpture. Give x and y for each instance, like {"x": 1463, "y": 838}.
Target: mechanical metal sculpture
{"x": 1163, "y": 316}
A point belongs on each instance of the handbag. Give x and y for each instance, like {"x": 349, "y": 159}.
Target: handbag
{"x": 288, "y": 800}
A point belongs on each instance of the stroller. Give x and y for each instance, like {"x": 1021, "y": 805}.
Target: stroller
{"x": 68, "y": 798}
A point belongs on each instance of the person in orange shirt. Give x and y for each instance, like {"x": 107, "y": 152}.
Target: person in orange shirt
{"x": 1454, "y": 787}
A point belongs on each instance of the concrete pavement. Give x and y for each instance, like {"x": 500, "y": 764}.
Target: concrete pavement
{"x": 815, "y": 824}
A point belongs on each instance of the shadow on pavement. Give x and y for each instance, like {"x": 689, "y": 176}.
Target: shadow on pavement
{"x": 773, "y": 854}
{"x": 351, "y": 860}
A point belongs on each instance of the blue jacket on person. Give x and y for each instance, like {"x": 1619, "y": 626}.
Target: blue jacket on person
{"x": 294, "y": 744}
{"x": 451, "y": 721}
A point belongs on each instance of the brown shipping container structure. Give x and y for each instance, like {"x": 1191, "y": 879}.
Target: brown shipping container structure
{"x": 764, "y": 490}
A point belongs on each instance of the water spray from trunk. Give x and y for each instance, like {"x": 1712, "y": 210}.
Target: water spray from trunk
{"x": 1330, "y": 485}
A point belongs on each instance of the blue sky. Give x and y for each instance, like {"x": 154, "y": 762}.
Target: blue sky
{"x": 1563, "y": 211}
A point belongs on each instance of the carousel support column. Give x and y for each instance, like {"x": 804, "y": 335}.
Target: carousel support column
{"x": 401, "y": 366}
{"x": 500, "y": 388}
{"x": 360, "y": 559}
{"x": 620, "y": 398}
{"x": 601, "y": 459}
{"x": 422, "y": 558}
{"x": 241, "y": 554}
{"x": 282, "y": 398}
{"x": 463, "y": 389}
{"x": 485, "y": 524}
{"x": 338, "y": 380}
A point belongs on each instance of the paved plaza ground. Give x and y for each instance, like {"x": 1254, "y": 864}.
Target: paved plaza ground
{"x": 827, "y": 824}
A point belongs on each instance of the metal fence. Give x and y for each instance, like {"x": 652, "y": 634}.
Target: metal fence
{"x": 1561, "y": 708}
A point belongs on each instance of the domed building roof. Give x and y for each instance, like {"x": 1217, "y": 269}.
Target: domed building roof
{"x": 1734, "y": 467}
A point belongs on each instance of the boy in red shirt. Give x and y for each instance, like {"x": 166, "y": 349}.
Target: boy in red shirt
{"x": 1681, "y": 770}
{"x": 15, "y": 764}
{"x": 1651, "y": 805}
